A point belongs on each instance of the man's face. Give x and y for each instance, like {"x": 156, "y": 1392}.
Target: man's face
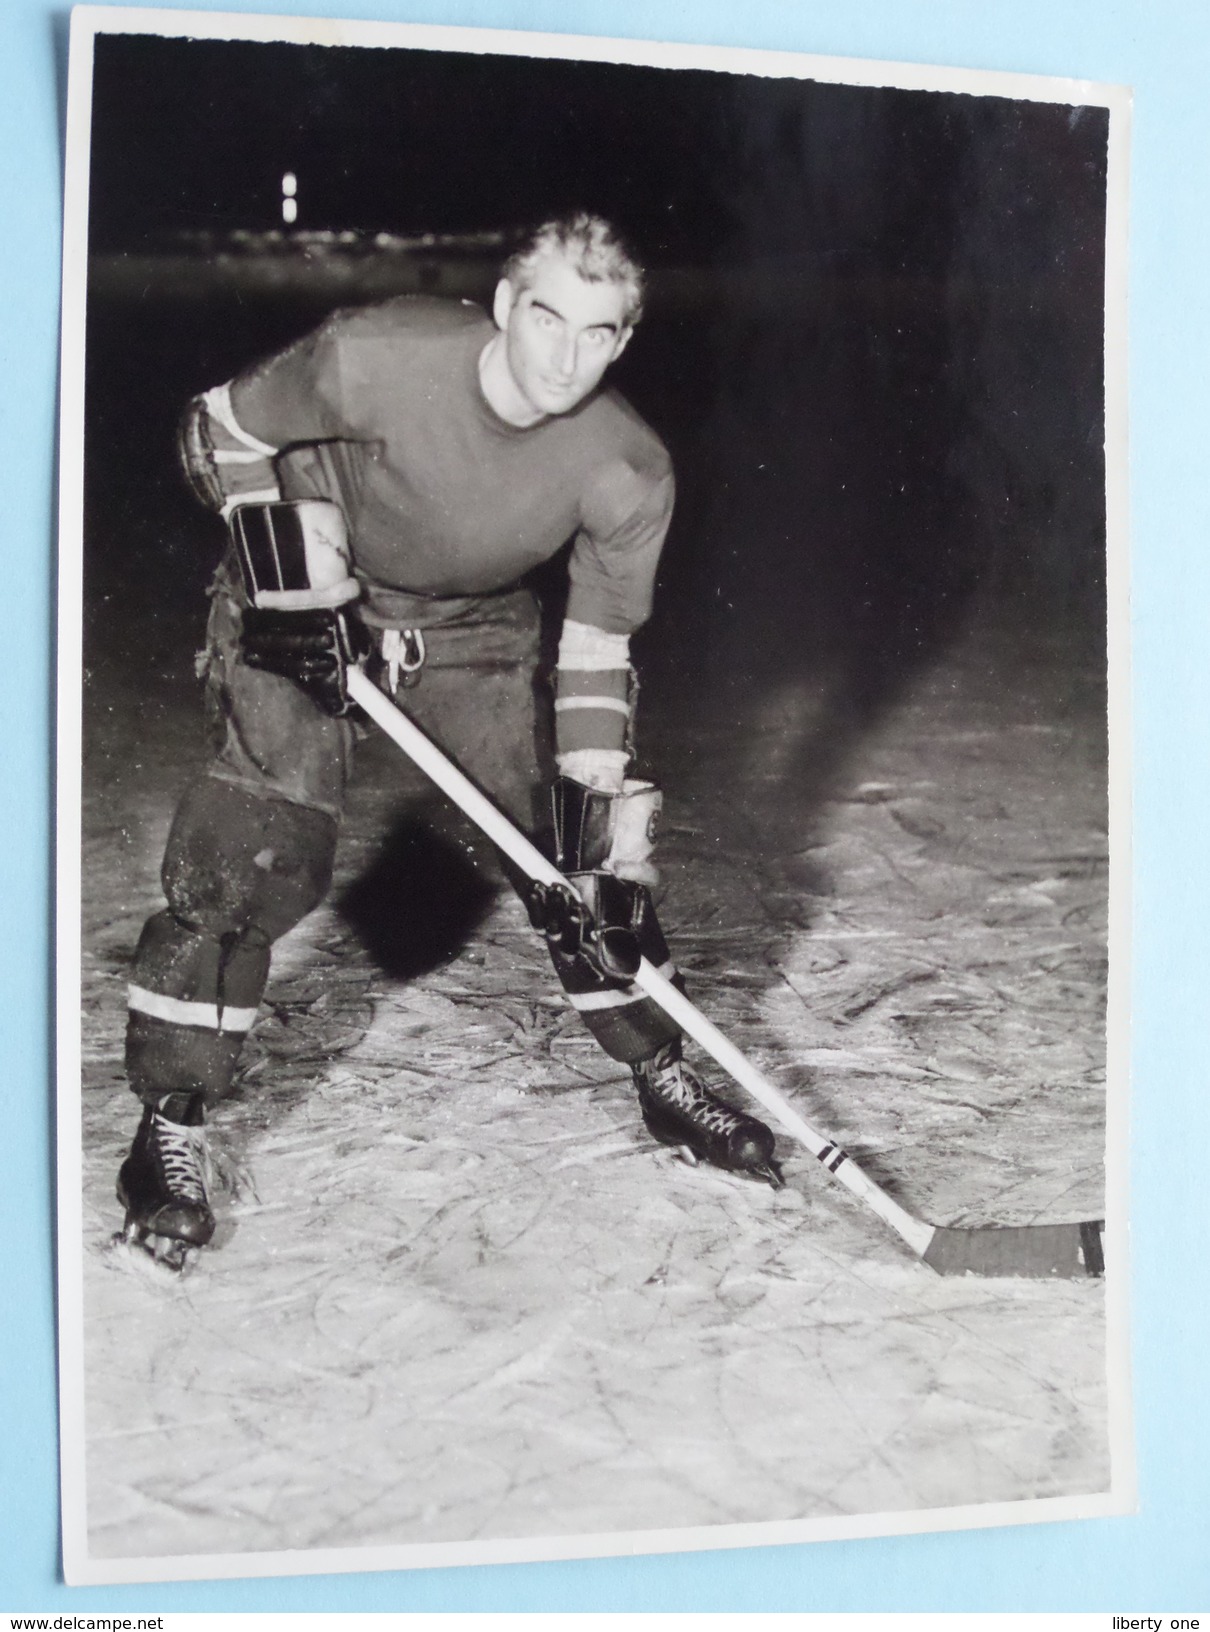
{"x": 560, "y": 334}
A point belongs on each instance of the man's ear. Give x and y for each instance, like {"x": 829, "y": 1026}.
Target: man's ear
{"x": 502, "y": 303}
{"x": 622, "y": 341}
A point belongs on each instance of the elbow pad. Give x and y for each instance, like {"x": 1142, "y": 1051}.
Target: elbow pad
{"x": 223, "y": 464}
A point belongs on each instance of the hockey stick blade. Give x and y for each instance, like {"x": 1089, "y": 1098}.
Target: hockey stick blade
{"x": 1064, "y": 1251}
{"x": 1035, "y": 1250}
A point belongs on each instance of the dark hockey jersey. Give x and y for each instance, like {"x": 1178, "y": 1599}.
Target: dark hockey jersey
{"x": 381, "y": 408}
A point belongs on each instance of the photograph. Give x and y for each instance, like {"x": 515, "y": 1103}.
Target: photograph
{"x": 593, "y": 962}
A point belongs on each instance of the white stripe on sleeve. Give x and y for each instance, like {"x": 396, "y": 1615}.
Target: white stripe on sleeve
{"x": 563, "y": 704}
{"x": 218, "y": 401}
{"x": 583, "y": 646}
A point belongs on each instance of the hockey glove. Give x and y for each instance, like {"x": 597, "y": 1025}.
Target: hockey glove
{"x": 313, "y": 648}
{"x": 294, "y": 558}
{"x": 599, "y": 918}
{"x": 294, "y": 554}
{"x": 603, "y": 845}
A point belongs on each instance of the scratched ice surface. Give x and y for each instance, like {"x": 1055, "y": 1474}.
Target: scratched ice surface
{"x": 457, "y": 1293}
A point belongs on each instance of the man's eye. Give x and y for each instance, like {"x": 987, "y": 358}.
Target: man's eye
{"x": 597, "y": 337}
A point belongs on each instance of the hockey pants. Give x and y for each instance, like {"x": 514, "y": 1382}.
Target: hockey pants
{"x": 251, "y": 848}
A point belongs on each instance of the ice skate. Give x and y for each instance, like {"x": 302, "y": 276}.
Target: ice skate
{"x": 680, "y": 1110}
{"x": 163, "y": 1182}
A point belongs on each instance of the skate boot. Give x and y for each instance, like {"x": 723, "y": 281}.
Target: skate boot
{"x": 162, "y": 1183}
{"x": 679, "y": 1110}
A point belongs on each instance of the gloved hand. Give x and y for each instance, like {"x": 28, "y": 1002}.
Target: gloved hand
{"x": 295, "y": 562}
{"x": 597, "y": 915}
{"x": 313, "y": 647}
{"x": 603, "y": 843}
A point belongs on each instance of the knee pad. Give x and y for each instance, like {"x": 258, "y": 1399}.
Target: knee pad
{"x": 240, "y": 864}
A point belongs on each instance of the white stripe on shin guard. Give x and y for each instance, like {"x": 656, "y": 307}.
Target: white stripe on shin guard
{"x": 616, "y": 998}
{"x": 179, "y": 1011}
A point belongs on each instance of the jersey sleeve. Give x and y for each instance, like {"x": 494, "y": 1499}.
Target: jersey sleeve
{"x": 299, "y": 394}
{"x": 230, "y": 437}
{"x": 593, "y": 697}
{"x": 617, "y": 548}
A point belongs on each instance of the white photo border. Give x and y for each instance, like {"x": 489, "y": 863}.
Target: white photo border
{"x": 87, "y": 23}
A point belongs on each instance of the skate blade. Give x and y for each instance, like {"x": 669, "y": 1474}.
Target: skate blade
{"x": 165, "y": 1252}
{"x": 767, "y": 1172}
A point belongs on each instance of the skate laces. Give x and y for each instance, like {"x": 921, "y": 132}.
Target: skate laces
{"x": 675, "y": 1085}
{"x": 185, "y": 1158}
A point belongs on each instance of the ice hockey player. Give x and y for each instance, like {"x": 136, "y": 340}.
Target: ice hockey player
{"x": 387, "y": 482}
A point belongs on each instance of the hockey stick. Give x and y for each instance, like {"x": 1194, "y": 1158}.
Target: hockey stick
{"x": 1030, "y": 1249}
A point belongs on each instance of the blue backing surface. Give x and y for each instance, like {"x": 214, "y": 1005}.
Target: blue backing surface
{"x": 1159, "y": 1560}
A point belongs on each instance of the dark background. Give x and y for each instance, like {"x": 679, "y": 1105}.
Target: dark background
{"x": 873, "y": 345}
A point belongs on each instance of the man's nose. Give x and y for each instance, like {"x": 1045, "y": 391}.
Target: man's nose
{"x": 565, "y": 356}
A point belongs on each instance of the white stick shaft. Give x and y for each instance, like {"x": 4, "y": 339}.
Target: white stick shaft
{"x": 503, "y": 834}
{"x": 518, "y": 848}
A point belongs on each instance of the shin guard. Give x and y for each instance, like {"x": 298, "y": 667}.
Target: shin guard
{"x": 627, "y": 1024}
{"x": 239, "y": 871}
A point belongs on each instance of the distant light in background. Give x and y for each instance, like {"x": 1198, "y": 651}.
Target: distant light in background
{"x": 289, "y": 203}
